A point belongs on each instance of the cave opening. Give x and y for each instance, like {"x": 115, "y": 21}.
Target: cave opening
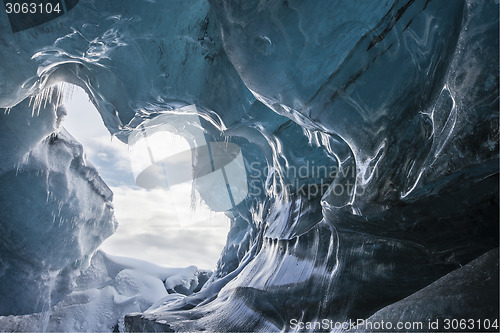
{"x": 167, "y": 225}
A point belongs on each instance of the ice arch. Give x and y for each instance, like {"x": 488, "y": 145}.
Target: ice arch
{"x": 406, "y": 94}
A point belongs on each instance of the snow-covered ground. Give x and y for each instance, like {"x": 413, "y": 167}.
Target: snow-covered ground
{"x": 107, "y": 290}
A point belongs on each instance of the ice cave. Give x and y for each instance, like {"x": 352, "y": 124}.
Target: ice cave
{"x": 351, "y": 146}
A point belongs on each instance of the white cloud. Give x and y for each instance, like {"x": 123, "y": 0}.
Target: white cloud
{"x": 150, "y": 229}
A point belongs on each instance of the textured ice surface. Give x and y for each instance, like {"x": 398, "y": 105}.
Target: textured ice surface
{"x": 396, "y": 101}
{"x": 450, "y": 297}
{"x": 56, "y": 210}
{"x": 104, "y": 293}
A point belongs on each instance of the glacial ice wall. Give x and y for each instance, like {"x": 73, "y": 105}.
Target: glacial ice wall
{"x": 369, "y": 134}
{"x": 56, "y": 210}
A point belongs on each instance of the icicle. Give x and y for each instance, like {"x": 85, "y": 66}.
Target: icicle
{"x": 44, "y": 97}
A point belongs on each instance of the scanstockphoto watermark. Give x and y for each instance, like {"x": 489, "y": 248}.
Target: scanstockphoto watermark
{"x": 309, "y": 180}
{"x": 306, "y": 170}
{"x": 328, "y": 324}
{"x": 429, "y": 325}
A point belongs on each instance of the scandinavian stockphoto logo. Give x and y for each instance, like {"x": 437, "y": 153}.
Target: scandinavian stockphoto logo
{"x": 172, "y": 149}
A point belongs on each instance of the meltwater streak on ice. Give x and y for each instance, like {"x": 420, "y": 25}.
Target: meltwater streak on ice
{"x": 364, "y": 78}
{"x": 335, "y": 101}
{"x": 390, "y": 158}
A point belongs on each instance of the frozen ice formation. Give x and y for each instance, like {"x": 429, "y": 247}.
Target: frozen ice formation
{"x": 369, "y": 136}
{"x": 107, "y": 290}
{"x": 453, "y": 293}
{"x": 56, "y": 210}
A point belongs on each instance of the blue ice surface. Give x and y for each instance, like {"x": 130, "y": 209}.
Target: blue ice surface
{"x": 398, "y": 100}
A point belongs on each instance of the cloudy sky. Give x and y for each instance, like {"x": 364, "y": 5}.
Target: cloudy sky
{"x": 156, "y": 225}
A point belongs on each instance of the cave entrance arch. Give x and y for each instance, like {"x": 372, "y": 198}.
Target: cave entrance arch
{"x": 168, "y": 226}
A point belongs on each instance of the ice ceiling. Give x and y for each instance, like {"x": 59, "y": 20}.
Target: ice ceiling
{"x": 368, "y": 132}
